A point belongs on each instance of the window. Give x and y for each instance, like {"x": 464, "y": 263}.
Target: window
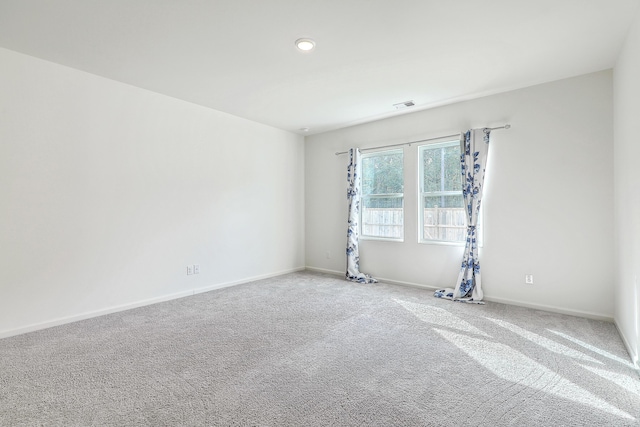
{"x": 382, "y": 214}
{"x": 442, "y": 217}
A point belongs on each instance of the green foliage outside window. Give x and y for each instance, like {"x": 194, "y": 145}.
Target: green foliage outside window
{"x": 442, "y": 217}
{"x": 383, "y": 175}
{"x": 441, "y": 166}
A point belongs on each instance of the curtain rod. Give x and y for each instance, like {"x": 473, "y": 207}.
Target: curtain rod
{"x": 507, "y": 126}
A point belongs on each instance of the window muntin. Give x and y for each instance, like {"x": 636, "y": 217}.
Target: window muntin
{"x": 382, "y": 210}
{"x": 441, "y": 206}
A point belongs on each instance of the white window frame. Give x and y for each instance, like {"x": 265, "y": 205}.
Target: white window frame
{"x": 363, "y": 197}
{"x": 422, "y": 194}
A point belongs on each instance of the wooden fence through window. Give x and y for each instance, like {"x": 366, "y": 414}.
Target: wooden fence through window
{"x": 448, "y": 224}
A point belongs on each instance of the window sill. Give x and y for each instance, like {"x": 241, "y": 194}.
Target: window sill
{"x": 382, "y": 239}
{"x": 440, "y": 243}
{"x": 445, "y": 243}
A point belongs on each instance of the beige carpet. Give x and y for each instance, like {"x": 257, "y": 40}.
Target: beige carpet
{"x": 313, "y": 350}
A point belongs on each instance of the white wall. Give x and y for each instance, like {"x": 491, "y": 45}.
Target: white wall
{"x": 548, "y": 207}
{"x": 627, "y": 189}
{"x": 108, "y": 191}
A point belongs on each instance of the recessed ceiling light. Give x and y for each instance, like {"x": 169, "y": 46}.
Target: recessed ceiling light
{"x": 305, "y": 45}
{"x": 304, "y": 129}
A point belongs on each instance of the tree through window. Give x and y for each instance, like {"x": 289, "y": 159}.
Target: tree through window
{"x": 383, "y": 195}
{"x": 442, "y": 217}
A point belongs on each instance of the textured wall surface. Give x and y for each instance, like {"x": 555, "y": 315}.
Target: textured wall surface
{"x": 627, "y": 190}
{"x": 108, "y": 192}
{"x": 548, "y": 206}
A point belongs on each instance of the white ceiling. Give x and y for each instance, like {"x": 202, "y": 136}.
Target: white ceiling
{"x": 238, "y": 56}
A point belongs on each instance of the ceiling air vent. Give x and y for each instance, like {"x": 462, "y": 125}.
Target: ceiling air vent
{"x": 405, "y": 104}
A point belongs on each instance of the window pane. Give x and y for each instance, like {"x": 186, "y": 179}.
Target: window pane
{"x": 383, "y": 217}
{"x": 441, "y": 166}
{"x": 449, "y": 201}
{"x": 382, "y": 174}
{"x": 444, "y": 218}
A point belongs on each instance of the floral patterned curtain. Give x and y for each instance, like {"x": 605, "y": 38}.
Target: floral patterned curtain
{"x": 354, "y": 182}
{"x": 474, "y": 147}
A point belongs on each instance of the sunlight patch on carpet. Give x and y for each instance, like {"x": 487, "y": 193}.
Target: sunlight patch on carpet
{"x": 630, "y": 384}
{"x": 545, "y": 342}
{"x": 513, "y": 366}
{"x": 440, "y": 317}
{"x": 593, "y": 348}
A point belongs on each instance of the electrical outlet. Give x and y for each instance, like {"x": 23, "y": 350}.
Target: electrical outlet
{"x": 196, "y": 268}
{"x": 189, "y": 270}
{"x": 528, "y": 279}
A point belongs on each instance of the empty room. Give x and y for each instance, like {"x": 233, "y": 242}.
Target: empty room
{"x": 319, "y": 213}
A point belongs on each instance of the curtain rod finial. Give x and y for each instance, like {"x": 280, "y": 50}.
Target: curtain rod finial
{"x": 507, "y": 126}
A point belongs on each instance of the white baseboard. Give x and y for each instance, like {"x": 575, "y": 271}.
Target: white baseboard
{"x": 553, "y": 309}
{"x": 550, "y": 308}
{"x": 633, "y": 354}
{"x": 341, "y": 274}
{"x": 102, "y": 312}
{"x": 129, "y": 306}
{"x": 409, "y": 284}
{"x": 247, "y": 280}
{"x": 90, "y": 314}
{"x": 325, "y": 271}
